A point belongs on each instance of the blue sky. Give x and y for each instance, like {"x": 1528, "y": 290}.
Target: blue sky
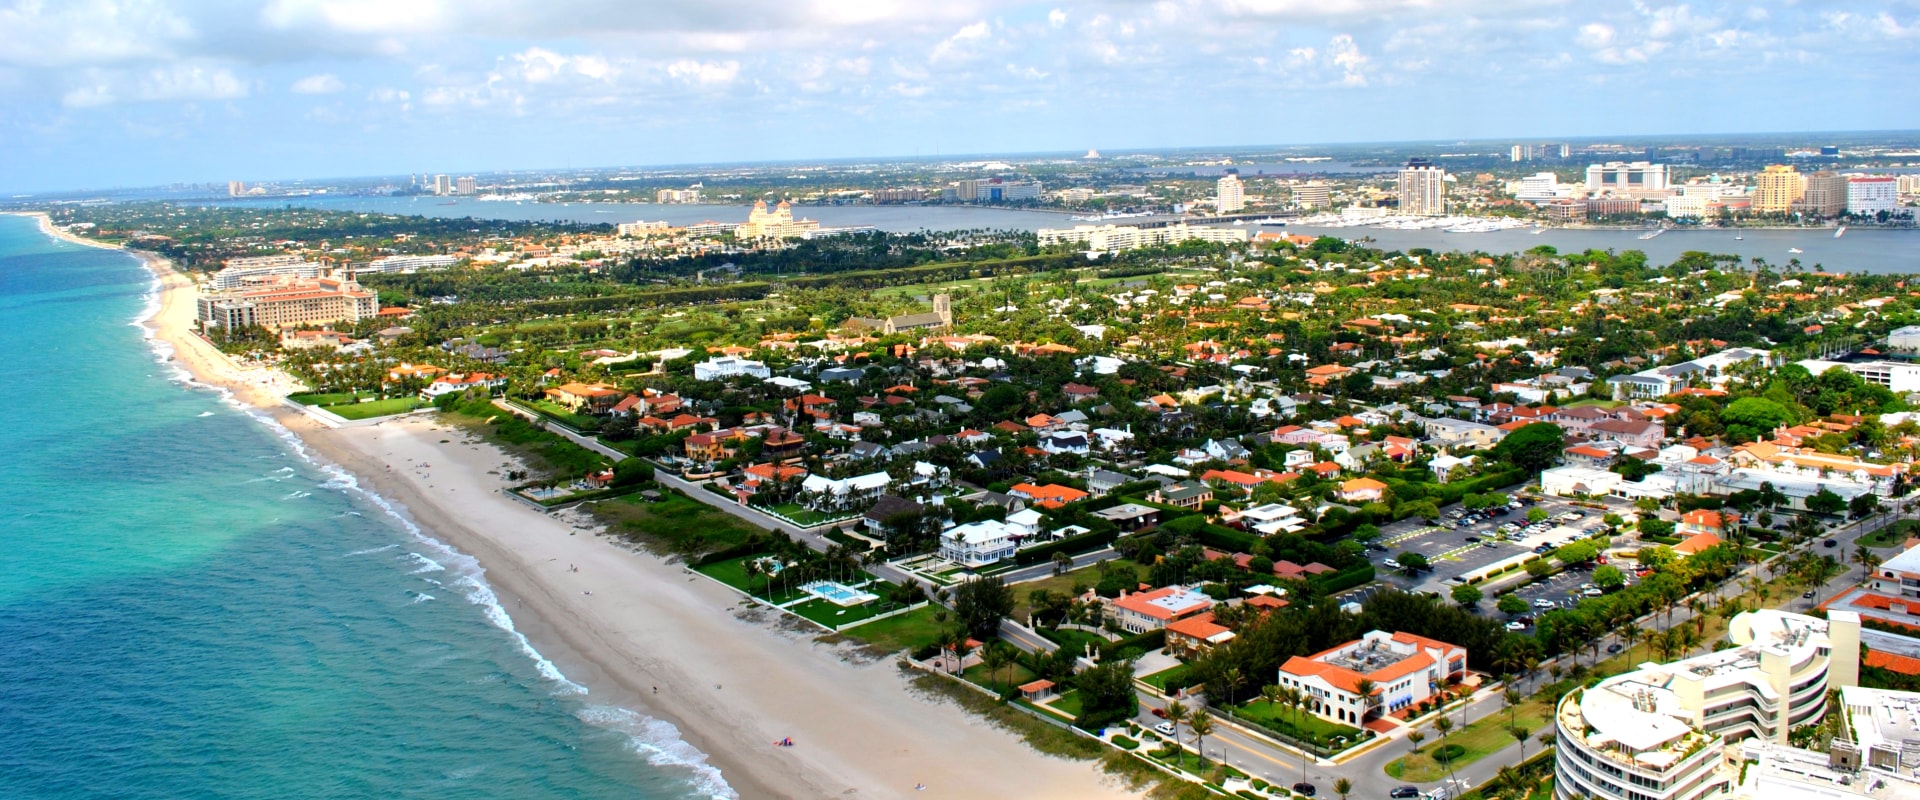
{"x": 99, "y": 93}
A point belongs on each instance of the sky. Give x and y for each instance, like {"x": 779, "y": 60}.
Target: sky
{"x": 113, "y": 93}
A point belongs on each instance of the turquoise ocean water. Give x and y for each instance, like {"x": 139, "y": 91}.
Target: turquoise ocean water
{"x": 190, "y": 608}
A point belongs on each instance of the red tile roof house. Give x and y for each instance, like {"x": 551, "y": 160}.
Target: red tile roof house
{"x": 1139, "y": 612}
{"x": 1705, "y": 520}
{"x": 1048, "y": 496}
{"x": 1196, "y": 634}
{"x": 1405, "y": 669}
{"x": 1362, "y": 490}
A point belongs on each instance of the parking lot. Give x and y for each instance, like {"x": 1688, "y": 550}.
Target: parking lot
{"x": 1450, "y": 551}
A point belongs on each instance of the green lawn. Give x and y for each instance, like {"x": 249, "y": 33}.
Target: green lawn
{"x": 800, "y": 515}
{"x": 1000, "y": 683}
{"x": 376, "y": 408}
{"x": 1159, "y": 679}
{"x": 910, "y": 631}
{"x": 1481, "y": 739}
{"x": 327, "y": 398}
{"x": 1085, "y": 576}
{"x": 1068, "y": 703}
{"x": 1074, "y": 641}
{"x": 1304, "y": 725}
{"x": 676, "y": 523}
{"x": 1890, "y": 536}
{"x": 733, "y": 572}
{"x": 831, "y": 615}
{"x": 560, "y": 414}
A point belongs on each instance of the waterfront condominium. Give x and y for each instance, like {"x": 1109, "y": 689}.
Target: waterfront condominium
{"x": 1229, "y": 193}
{"x": 1423, "y": 189}
{"x": 1776, "y": 188}
{"x": 1628, "y": 178}
{"x": 287, "y": 303}
{"x": 1868, "y": 195}
{"x": 1824, "y": 194}
{"x": 1662, "y": 732}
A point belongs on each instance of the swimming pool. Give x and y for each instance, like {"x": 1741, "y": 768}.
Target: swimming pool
{"x": 838, "y": 594}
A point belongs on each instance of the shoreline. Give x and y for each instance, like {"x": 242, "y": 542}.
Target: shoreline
{"x": 636, "y": 631}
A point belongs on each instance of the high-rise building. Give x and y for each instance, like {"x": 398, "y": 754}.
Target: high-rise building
{"x": 1423, "y": 189}
{"x": 1909, "y": 184}
{"x": 1229, "y": 193}
{"x": 1872, "y": 194}
{"x": 287, "y": 303}
{"x": 1622, "y": 177}
{"x": 1825, "y": 194}
{"x": 1538, "y": 187}
{"x": 995, "y": 190}
{"x": 1776, "y": 188}
{"x": 1662, "y": 732}
{"x": 1312, "y": 194}
{"x": 236, "y": 188}
{"x": 464, "y": 185}
{"x": 687, "y": 195}
{"x": 1521, "y": 152}
{"x": 442, "y": 184}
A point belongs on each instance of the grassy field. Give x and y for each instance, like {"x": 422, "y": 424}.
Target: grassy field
{"x": 827, "y": 613}
{"x": 799, "y": 514}
{"x": 1068, "y": 703}
{"x": 676, "y": 523}
{"x": 1481, "y": 739}
{"x": 1085, "y": 577}
{"x": 910, "y": 631}
{"x": 543, "y": 451}
{"x": 376, "y": 408}
{"x": 560, "y": 414}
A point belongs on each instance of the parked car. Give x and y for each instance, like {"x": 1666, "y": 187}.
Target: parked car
{"x": 1594, "y": 592}
{"x": 1614, "y": 648}
{"x": 1830, "y": 543}
{"x": 1473, "y": 540}
{"x": 1165, "y": 728}
{"x": 1390, "y": 564}
{"x": 1404, "y": 792}
{"x": 1808, "y": 595}
{"x": 1541, "y": 602}
{"x": 1516, "y": 625}
{"x": 1304, "y": 788}
{"x": 1160, "y": 712}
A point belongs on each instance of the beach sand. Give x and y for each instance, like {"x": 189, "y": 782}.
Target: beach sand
{"x": 644, "y": 635}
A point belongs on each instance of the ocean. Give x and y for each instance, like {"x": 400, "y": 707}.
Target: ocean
{"x": 192, "y": 607}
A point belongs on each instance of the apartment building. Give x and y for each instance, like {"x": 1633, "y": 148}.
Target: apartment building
{"x": 289, "y": 303}
{"x": 1872, "y": 194}
{"x": 1423, "y": 189}
{"x": 1662, "y": 732}
{"x": 239, "y": 272}
{"x": 1824, "y": 194}
{"x": 1635, "y": 178}
{"x": 1230, "y": 193}
{"x": 1776, "y": 188}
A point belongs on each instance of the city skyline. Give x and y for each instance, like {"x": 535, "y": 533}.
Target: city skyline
{"x": 106, "y": 93}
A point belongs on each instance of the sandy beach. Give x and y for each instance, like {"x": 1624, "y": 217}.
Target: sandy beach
{"x": 644, "y": 635}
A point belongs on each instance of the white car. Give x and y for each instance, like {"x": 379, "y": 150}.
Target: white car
{"x": 1516, "y": 626}
{"x": 1390, "y": 564}
{"x": 1165, "y": 728}
{"x": 1541, "y": 602}
{"x": 1594, "y": 592}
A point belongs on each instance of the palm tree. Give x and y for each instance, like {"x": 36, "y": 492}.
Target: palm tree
{"x": 1698, "y": 606}
{"x": 1176, "y": 714}
{"x": 1201, "y": 725}
{"x": 1342, "y": 787}
{"x": 1519, "y": 734}
{"x": 753, "y": 570}
{"x": 1414, "y": 738}
{"x": 1295, "y": 699}
{"x": 1444, "y": 725}
{"x": 1365, "y": 688}
{"x": 1509, "y": 784}
{"x": 1631, "y": 634}
{"x": 1232, "y": 679}
{"x": 1866, "y": 558}
{"x": 997, "y": 656}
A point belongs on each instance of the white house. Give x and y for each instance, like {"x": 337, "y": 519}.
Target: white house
{"x": 977, "y": 544}
{"x": 724, "y": 367}
{"x": 827, "y": 494}
{"x": 1404, "y": 669}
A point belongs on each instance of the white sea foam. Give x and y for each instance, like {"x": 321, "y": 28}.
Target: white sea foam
{"x": 374, "y": 549}
{"x": 425, "y": 564}
{"x": 659, "y": 742}
{"x": 206, "y": 414}
{"x": 421, "y": 597}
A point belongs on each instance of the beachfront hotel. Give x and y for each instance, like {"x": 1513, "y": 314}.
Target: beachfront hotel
{"x": 1661, "y": 732}
{"x": 1405, "y": 670}
{"x": 287, "y": 303}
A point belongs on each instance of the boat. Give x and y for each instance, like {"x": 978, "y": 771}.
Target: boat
{"x": 1795, "y": 250}
{"x": 1738, "y": 237}
{"x": 1841, "y": 232}
{"x": 448, "y": 203}
{"x": 1652, "y": 233}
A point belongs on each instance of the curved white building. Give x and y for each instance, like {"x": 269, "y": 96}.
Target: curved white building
{"x": 1660, "y": 732}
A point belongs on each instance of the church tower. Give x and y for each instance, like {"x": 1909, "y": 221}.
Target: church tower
{"x": 943, "y": 305}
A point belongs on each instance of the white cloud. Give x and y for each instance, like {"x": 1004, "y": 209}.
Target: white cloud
{"x": 1595, "y": 34}
{"x": 957, "y": 45}
{"x": 39, "y": 33}
{"x": 1057, "y": 18}
{"x": 704, "y": 73}
{"x": 323, "y": 83}
{"x": 179, "y": 82}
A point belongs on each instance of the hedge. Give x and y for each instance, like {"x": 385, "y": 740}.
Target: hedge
{"x": 1359, "y": 574}
{"x": 1145, "y": 643}
{"x": 1070, "y": 545}
{"x": 1452, "y": 492}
